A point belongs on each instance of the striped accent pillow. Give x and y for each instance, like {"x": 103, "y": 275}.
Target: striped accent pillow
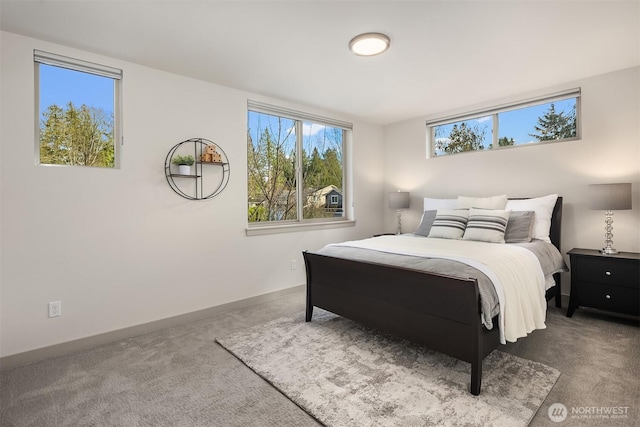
{"x": 449, "y": 223}
{"x": 486, "y": 225}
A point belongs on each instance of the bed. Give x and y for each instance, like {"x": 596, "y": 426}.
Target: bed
{"x": 442, "y": 311}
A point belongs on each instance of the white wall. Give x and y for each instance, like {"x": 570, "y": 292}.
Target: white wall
{"x": 113, "y": 245}
{"x": 608, "y": 152}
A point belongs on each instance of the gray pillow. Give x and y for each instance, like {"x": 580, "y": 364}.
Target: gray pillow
{"x": 425, "y": 223}
{"x": 520, "y": 227}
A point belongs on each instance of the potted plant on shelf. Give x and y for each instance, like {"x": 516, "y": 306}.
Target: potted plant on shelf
{"x": 184, "y": 164}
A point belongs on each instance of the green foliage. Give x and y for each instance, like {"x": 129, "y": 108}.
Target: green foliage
{"x": 462, "y": 138}
{"x": 553, "y": 126}
{"x": 271, "y": 173}
{"x": 183, "y": 160}
{"x": 322, "y": 170}
{"x": 504, "y": 142}
{"x": 77, "y": 136}
{"x": 315, "y": 211}
{"x": 257, "y": 213}
{"x": 272, "y": 182}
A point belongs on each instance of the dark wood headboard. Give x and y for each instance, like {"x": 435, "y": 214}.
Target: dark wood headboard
{"x": 556, "y": 223}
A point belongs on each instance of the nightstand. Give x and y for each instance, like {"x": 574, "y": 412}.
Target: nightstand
{"x": 608, "y": 282}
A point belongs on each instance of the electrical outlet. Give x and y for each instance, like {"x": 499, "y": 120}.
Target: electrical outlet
{"x": 294, "y": 264}
{"x": 55, "y": 309}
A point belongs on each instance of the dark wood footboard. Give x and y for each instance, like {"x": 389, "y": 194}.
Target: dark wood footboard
{"x": 437, "y": 311}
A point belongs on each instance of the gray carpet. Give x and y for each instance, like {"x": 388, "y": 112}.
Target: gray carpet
{"x": 347, "y": 375}
{"x": 598, "y": 355}
{"x": 174, "y": 377}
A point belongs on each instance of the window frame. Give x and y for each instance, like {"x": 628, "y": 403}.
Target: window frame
{"x": 47, "y": 58}
{"x": 299, "y": 117}
{"x": 493, "y": 112}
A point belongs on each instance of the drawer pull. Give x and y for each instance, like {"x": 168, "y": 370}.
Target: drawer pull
{"x": 607, "y": 296}
{"x": 608, "y": 273}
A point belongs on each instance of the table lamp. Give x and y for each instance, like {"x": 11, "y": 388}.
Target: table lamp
{"x": 399, "y": 200}
{"x": 609, "y": 197}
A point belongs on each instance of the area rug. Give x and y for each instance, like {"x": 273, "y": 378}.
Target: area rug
{"x": 344, "y": 374}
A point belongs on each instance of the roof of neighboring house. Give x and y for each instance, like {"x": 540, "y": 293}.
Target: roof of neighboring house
{"x": 326, "y": 190}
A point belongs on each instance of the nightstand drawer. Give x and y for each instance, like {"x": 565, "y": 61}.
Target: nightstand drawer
{"x": 612, "y": 298}
{"x": 613, "y": 271}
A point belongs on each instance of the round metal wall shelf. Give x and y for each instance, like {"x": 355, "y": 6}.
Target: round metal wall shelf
{"x": 207, "y": 177}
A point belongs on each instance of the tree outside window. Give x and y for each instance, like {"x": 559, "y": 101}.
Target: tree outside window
{"x": 77, "y": 112}
{"x": 535, "y": 122}
{"x": 295, "y": 169}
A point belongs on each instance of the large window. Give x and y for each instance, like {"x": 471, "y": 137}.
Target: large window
{"x": 548, "y": 119}
{"x": 296, "y": 166}
{"x": 77, "y": 110}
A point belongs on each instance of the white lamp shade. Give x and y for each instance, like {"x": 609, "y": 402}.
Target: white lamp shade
{"x": 399, "y": 200}
{"x": 610, "y": 197}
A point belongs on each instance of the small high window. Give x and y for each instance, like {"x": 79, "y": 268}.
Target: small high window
{"x": 77, "y": 110}
{"x": 549, "y": 119}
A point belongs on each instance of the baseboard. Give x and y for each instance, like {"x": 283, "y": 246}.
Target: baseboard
{"x": 20, "y": 359}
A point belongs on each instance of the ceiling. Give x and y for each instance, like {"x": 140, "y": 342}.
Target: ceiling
{"x": 444, "y": 55}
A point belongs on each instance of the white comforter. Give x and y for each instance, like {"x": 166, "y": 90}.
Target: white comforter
{"x": 515, "y": 272}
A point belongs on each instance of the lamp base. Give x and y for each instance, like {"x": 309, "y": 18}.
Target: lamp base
{"x": 399, "y": 214}
{"x": 608, "y": 237}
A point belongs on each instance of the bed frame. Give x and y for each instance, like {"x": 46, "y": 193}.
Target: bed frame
{"x": 437, "y": 311}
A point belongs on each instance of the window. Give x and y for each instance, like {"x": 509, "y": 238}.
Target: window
{"x": 77, "y": 111}
{"x": 549, "y": 119}
{"x": 296, "y": 166}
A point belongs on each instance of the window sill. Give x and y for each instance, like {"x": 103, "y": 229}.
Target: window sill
{"x": 260, "y": 230}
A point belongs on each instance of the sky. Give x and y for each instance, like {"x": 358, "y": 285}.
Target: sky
{"x": 60, "y": 85}
{"x": 517, "y": 124}
{"x": 313, "y": 134}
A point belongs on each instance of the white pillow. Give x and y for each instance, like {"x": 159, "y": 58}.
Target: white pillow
{"x": 449, "y": 223}
{"x": 435, "y": 204}
{"x": 543, "y": 207}
{"x": 493, "y": 202}
{"x": 486, "y": 225}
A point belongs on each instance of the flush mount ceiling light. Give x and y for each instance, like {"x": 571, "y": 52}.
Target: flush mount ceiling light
{"x": 369, "y": 44}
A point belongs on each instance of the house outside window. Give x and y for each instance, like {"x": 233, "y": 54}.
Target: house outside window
{"x": 77, "y": 112}
{"x": 296, "y": 166}
{"x": 551, "y": 118}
